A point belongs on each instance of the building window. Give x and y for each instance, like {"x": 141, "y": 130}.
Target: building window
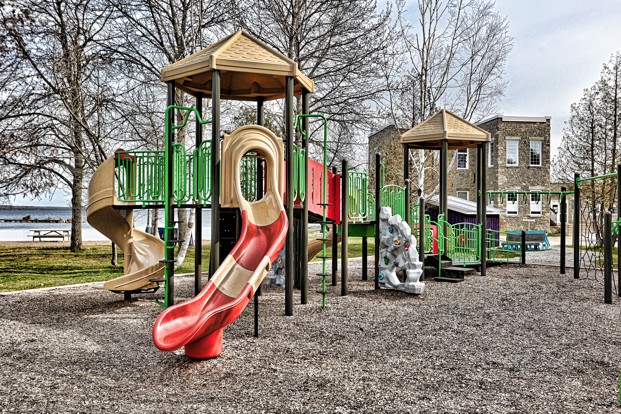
{"x": 462, "y": 159}
{"x": 535, "y": 153}
{"x": 512, "y": 204}
{"x": 490, "y": 155}
{"x": 535, "y": 204}
{"x": 463, "y": 195}
{"x": 513, "y": 152}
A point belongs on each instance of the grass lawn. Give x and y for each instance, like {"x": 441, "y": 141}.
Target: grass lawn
{"x": 30, "y": 266}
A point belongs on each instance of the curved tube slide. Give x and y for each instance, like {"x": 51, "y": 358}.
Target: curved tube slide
{"x": 197, "y": 324}
{"x": 142, "y": 251}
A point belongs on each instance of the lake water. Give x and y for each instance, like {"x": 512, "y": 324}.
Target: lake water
{"x": 19, "y": 231}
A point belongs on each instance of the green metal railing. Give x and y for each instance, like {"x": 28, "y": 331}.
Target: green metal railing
{"x": 393, "y": 196}
{"x": 358, "y": 194}
{"x": 248, "y": 176}
{"x": 464, "y": 245}
{"x": 502, "y": 252}
{"x": 201, "y": 188}
{"x": 140, "y": 176}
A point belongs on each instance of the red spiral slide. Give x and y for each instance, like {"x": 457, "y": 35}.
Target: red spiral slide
{"x": 198, "y": 323}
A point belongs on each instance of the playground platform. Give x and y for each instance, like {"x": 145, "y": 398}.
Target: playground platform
{"x": 521, "y": 339}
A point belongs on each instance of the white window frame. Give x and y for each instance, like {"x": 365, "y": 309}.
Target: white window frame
{"x": 517, "y": 160}
{"x": 467, "y": 193}
{"x": 512, "y": 208}
{"x": 530, "y": 151}
{"x": 536, "y": 207}
{"x": 490, "y": 154}
{"x": 460, "y": 152}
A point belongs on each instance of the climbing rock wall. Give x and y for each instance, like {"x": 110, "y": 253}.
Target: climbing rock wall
{"x": 398, "y": 252}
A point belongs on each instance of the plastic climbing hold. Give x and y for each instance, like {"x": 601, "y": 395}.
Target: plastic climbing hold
{"x": 390, "y": 230}
{"x": 397, "y": 242}
{"x": 386, "y": 260}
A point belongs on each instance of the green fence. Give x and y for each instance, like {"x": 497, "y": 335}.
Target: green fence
{"x": 358, "y": 197}
{"x": 464, "y": 245}
{"x": 140, "y": 176}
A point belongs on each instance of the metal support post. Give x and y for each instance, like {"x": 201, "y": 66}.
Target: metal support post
{"x": 563, "y": 218}
{"x": 576, "y": 226}
{"x": 608, "y": 257}
{"x": 289, "y": 259}
{"x": 214, "y": 263}
{"x": 344, "y": 241}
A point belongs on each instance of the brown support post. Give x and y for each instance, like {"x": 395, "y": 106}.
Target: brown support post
{"x": 169, "y": 253}
{"x": 484, "y": 153}
{"x": 444, "y": 189}
{"x": 344, "y": 241}
{"x": 289, "y": 258}
{"x": 576, "y": 226}
{"x": 563, "y": 218}
{"x": 378, "y": 207}
{"x": 259, "y": 196}
{"x": 421, "y": 233}
{"x": 335, "y": 245}
{"x": 619, "y": 235}
{"x": 198, "y": 211}
{"x": 608, "y": 257}
{"x": 406, "y": 180}
{"x": 365, "y": 258}
{"x": 304, "y": 226}
{"x": 214, "y": 262}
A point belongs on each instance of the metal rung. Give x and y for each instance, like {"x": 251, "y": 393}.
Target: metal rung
{"x": 168, "y": 261}
{"x": 324, "y": 204}
{"x": 175, "y": 241}
{"x": 157, "y": 280}
{"x": 324, "y": 257}
{"x": 322, "y": 274}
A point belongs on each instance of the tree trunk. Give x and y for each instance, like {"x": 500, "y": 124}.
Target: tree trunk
{"x": 76, "y": 203}
{"x": 185, "y": 232}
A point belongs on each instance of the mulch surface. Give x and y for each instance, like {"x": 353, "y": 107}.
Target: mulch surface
{"x": 521, "y": 339}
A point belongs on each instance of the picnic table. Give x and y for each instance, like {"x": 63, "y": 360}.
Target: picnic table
{"x": 45, "y": 234}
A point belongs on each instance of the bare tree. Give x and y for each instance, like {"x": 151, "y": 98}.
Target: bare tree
{"x": 339, "y": 45}
{"x": 57, "y": 98}
{"x": 162, "y": 33}
{"x": 590, "y": 144}
{"x": 455, "y": 55}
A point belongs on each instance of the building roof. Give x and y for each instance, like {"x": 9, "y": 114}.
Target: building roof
{"x": 509, "y": 118}
{"x": 465, "y": 206}
{"x": 444, "y": 126}
{"x": 250, "y": 70}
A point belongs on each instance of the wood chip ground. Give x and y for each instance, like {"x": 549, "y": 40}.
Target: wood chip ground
{"x": 519, "y": 340}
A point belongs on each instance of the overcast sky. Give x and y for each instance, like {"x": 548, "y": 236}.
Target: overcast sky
{"x": 559, "y": 49}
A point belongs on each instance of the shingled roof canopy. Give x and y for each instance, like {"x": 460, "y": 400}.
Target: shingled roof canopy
{"x": 444, "y": 126}
{"x": 250, "y": 70}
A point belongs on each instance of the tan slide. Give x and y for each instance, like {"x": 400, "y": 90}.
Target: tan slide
{"x": 142, "y": 251}
{"x": 315, "y": 246}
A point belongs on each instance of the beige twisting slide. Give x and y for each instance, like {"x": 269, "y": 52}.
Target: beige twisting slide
{"x": 142, "y": 251}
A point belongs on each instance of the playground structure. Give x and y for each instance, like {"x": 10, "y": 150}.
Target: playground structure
{"x": 264, "y": 205}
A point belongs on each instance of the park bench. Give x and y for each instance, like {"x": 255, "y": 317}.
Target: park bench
{"x": 50, "y": 234}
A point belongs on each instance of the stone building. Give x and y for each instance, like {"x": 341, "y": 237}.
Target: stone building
{"x": 518, "y": 160}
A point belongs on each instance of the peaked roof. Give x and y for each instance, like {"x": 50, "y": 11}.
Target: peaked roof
{"x": 250, "y": 70}
{"x": 444, "y": 126}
